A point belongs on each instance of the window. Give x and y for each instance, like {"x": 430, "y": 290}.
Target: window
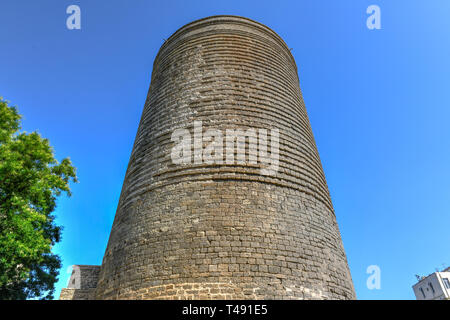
{"x": 431, "y": 286}
{"x": 423, "y": 293}
{"x": 446, "y": 283}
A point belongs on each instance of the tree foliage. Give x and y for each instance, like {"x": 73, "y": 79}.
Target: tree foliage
{"x": 31, "y": 179}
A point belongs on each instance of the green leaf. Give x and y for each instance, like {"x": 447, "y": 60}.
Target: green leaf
{"x": 31, "y": 179}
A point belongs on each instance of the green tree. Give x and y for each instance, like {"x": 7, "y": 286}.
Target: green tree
{"x": 30, "y": 181}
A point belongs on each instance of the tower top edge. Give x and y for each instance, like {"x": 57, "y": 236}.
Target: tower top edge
{"x": 225, "y": 19}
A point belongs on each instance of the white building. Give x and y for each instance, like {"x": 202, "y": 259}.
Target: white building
{"x": 436, "y": 286}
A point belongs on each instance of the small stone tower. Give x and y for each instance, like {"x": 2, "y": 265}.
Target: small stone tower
{"x": 224, "y": 196}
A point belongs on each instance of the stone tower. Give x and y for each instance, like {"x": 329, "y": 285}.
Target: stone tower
{"x": 224, "y": 196}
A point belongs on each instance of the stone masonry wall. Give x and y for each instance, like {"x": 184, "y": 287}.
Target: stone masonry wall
{"x": 218, "y": 230}
{"x": 82, "y": 283}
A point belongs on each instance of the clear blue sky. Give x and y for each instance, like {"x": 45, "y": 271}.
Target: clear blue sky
{"x": 378, "y": 101}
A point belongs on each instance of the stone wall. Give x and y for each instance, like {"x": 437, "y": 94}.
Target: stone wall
{"x": 224, "y": 230}
{"x": 77, "y": 294}
{"x": 82, "y": 283}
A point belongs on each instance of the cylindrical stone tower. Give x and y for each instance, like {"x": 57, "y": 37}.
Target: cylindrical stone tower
{"x": 224, "y": 196}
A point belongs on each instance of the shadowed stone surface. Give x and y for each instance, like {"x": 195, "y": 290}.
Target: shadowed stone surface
{"x": 224, "y": 231}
